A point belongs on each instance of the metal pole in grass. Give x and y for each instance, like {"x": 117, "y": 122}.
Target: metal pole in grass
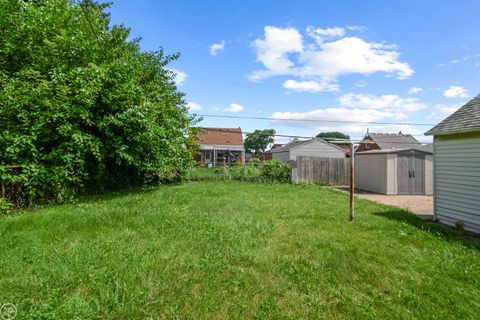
{"x": 352, "y": 172}
{"x": 352, "y": 181}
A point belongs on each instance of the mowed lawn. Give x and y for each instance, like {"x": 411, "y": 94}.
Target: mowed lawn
{"x": 207, "y": 250}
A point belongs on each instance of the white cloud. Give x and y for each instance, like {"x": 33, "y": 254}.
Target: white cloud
{"x": 335, "y": 114}
{"x": 455, "y": 92}
{"x": 353, "y": 55}
{"x": 273, "y": 50}
{"x": 388, "y": 101}
{"x": 441, "y": 112}
{"x": 309, "y": 86}
{"x": 415, "y": 90}
{"x": 216, "y": 47}
{"x": 463, "y": 59}
{"x": 234, "y": 107}
{"x": 356, "y": 28}
{"x": 284, "y": 51}
{"x": 193, "y": 106}
{"x": 180, "y": 76}
{"x": 343, "y": 114}
{"x": 320, "y": 35}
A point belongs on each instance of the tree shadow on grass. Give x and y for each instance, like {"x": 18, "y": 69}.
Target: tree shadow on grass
{"x": 428, "y": 225}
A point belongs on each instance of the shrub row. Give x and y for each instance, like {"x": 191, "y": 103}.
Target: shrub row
{"x": 273, "y": 171}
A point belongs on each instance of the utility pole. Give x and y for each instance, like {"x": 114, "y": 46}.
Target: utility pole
{"x": 352, "y": 181}
{"x": 352, "y": 172}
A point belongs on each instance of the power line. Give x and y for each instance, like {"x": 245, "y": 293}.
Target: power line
{"x": 312, "y": 120}
{"x": 292, "y": 135}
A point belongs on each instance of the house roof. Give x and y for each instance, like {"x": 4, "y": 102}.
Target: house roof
{"x": 220, "y": 136}
{"x": 297, "y": 143}
{"x": 345, "y": 148}
{"x": 393, "y": 140}
{"x": 274, "y": 147}
{"x": 290, "y": 145}
{"x": 427, "y": 147}
{"x": 465, "y": 119}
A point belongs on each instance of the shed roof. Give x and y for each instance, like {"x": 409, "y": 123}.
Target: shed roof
{"x": 290, "y": 145}
{"x": 298, "y": 143}
{"x": 421, "y": 149}
{"x": 220, "y": 136}
{"x": 465, "y": 119}
{"x": 393, "y": 140}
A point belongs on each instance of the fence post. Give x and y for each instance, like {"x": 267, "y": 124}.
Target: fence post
{"x": 352, "y": 182}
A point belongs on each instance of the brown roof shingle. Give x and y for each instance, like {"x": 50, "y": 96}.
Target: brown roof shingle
{"x": 220, "y": 136}
{"x": 393, "y": 140}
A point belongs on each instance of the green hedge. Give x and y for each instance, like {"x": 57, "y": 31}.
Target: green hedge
{"x": 82, "y": 108}
{"x": 273, "y": 171}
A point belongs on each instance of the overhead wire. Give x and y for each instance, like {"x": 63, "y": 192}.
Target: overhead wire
{"x": 311, "y": 120}
{"x": 282, "y": 135}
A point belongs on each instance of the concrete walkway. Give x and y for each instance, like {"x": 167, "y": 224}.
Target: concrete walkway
{"x": 420, "y": 205}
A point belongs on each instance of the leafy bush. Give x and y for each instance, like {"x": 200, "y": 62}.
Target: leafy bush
{"x": 208, "y": 174}
{"x": 248, "y": 173}
{"x": 276, "y": 171}
{"x": 254, "y": 162}
{"x": 5, "y": 206}
{"x": 82, "y": 108}
{"x": 271, "y": 171}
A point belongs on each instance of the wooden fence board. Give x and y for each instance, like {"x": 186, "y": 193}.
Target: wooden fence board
{"x": 332, "y": 171}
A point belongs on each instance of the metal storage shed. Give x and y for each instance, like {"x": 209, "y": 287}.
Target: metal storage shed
{"x": 395, "y": 171}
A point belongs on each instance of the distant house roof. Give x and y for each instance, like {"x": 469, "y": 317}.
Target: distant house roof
{"x": 346, "y": 148}
{"x": 298, "y": 143}
{"x": 465, "y": 119}
{"x": 290, "y": 145}
{"x": 220, "y": 136}
{"x": 427, "y": 147}
{"x": 274, "y": 147}
{"x": 393, "y": 140}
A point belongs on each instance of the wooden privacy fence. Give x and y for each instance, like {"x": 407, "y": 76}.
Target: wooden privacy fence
{"x": 332, "y": 171}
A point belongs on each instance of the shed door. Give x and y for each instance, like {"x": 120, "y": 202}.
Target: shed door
{"x": 418, "y": 172}
{"x": 411, "y": 173}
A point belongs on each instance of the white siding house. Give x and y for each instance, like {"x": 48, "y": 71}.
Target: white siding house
{"x": 313, "y": 148}
{"x": 457, "y": 167}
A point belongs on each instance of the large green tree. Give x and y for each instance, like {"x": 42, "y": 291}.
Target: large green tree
{"x": 258, "y": 141}
{"x": 82, "y": 108}
{"x": 333, "y": 135}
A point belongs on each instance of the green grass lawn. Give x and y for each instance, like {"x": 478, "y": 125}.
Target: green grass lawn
{"x": 234, "y": 250}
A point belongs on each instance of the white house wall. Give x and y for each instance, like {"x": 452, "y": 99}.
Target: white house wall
{"x": 457, "y": 180}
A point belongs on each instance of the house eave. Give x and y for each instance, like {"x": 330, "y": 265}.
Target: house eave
{"x": 221, "y": 147}
{"x": 450, "y": 132}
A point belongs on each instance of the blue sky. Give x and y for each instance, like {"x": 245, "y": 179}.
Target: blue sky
{"x": 366, "y": 61}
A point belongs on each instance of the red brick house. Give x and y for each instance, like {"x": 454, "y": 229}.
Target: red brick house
{"x": 219, "y": 146}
